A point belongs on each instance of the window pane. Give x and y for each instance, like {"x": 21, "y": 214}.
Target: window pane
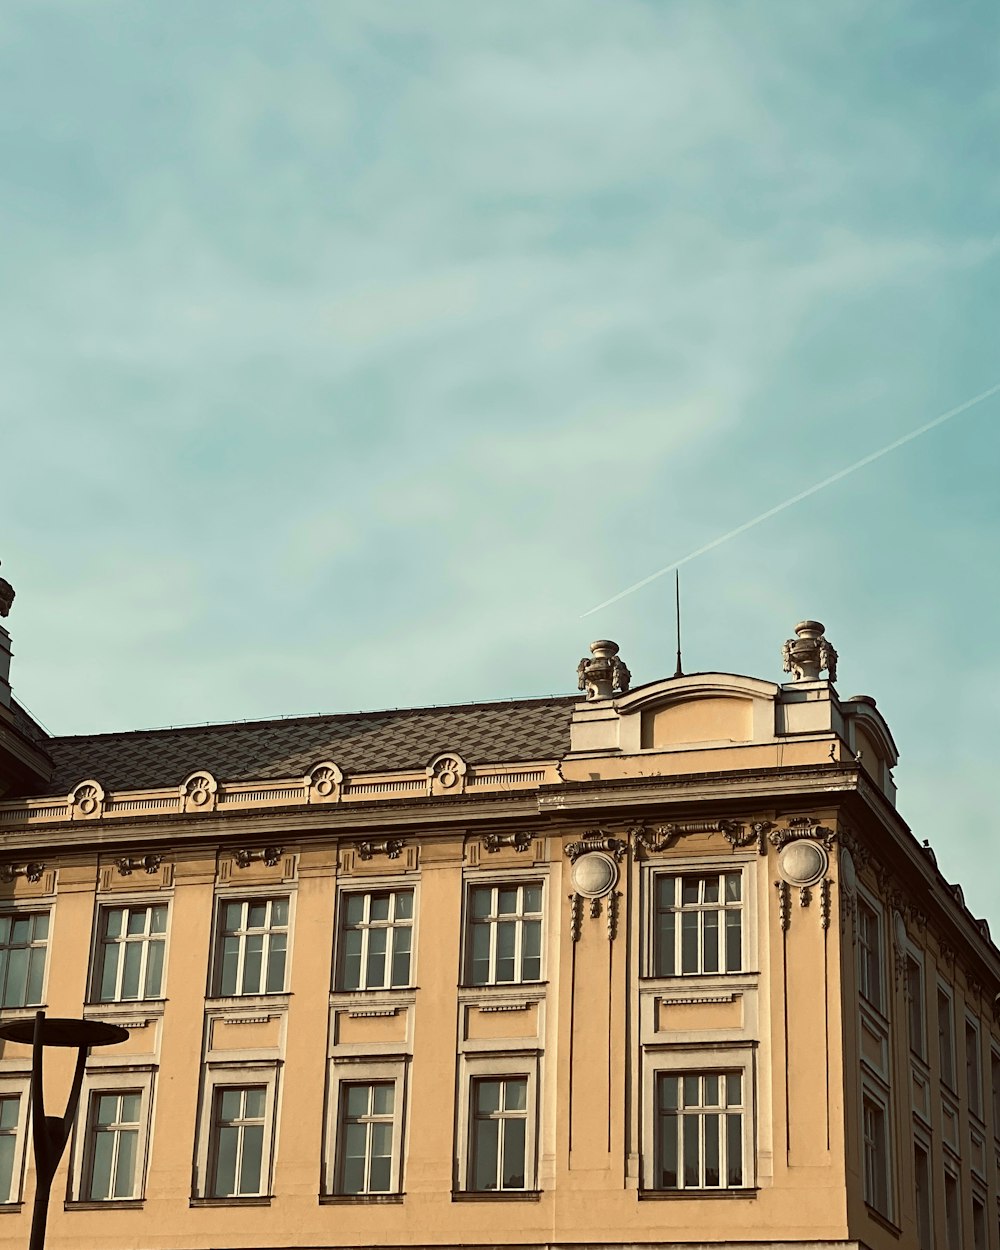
{"x": 20, "y": 929}
{"x": 515, "y": 1095}
{"x": 16, "y": 992}
{"x": 668, "y": 1152}
{"x": 531, "y": 950}
{"x": 229, "y": 1104}
{"x": 711, "y": 1095}
{"x": 513, "y": 1154}
{"x": 404, "y": 905}
{"x": 113, "y": 921}
{"x": 256, "y": 915}
{"x": 383, "y": 1097}
{"x": 109, "y": 972}
{"x": 8, "y": 1112}
{"x": 40, "y": 926}
{"x": 479, "y": 971}
{"x": 276, "y": 964}
{"x": 401, "y": 956}
{"x": 733, "y": 881}
{"x": 734, "y": 941}
{"x": 353, "y": 1168}
{"x": 351, "y": 975}
{"x": 233, "y": 914}
{"x": 130, "y": 1108}
{"x": 137, "y": 921}
{"x": 125, "y": 1172}
{"x": 711, "y": 890}
{"x": 376, "y": 957}
{"x": 107, "y": 1108}
{"x": 532, "y": 898}
{"x": 665, "y": 945}
{"x": 689, "y": 1127}
{"x": 154, "y": 969}
{"x": 100, "y": 1183}
{"x": 357, "y": 1100}
{"x": 158, "y": 923}
{"x": 36, "y": 974}
{"x": 712, "y": 1175}
{"x": 506, "y": 902}
{"x": 130, "y": 974}
{"x": 668, "y": 1093}
{"x": 488, "y": 1096}
{"x": 710, "y": 937}
{"x": 689, "y": 941}
{"x": 253, "y": 1148}
{"x": 734, "y": 1149}
{"x": 7, "y": 1143}
{"x": 230, "y": 957}
{"x": 506, "y": 931}
{"x": 734, "y": 1089}
{"x": 355, "y": 908}
{"x": 665, "y": 892}
{"x": 253, "y": 953}
{"x": 481, "y": 897}
{"x": 379, "y": 907}
{"x": 254, "y": 1103}
{"x": 485, "y": 1154}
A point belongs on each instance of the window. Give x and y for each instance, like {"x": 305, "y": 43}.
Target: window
{"x": 375, "y": 940}
{"x": 973, "y": 1071}
{"x": 499, "y": 1133}
{"x": 876, "y": 1153}
{"x": 253, "y": 942}
{"x": 924, "y": 1192}
{"x": 699, "y": 1133}
{"x": 946, "y": 1037}
{"x": 10, "y": 1120}
{"x": 130, "y": 960}
{"x": 237, "y": 1159}
{"x": 978, "y": 1223}
{"x": 952, "y": 1216}
{"x": 915, "y": 1006}
{"x": 995, "y": 1081}
{"x": 23, "y": 936}
{"x": 505, "y": 934}
{"x": 366, "y": 1137}
{"x": 869, "y": 954}
{"x": 113, "y": 1144}
{"x": 699, "y": 924}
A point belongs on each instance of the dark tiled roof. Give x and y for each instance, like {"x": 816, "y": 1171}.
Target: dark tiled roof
{"x": 525, "y": 729}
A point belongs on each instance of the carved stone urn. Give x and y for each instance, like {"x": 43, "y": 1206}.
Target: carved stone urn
{"x": 806, "y": 655}
{"x": 601, "y": 675}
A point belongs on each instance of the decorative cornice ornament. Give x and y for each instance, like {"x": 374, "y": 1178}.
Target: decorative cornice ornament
{"x": 129, "y": 863}
{"x": 824, "y": 902}
{"x": 6, "y": 596}
{"x": 575, "y": 916}
{"x": 31, "y": 872}
{"x": 739, "y": 836}
{"x": 784, "y": 903}
{"x": 806, "y": 655}
{"x": 268, "y": 855}
{"x": 391, "y": 848}
{"x": 597, "y": 840}
{"x": 519, "y": 841}
{"x": 614, "y": 906}
{"x": 802, "y": 827}
{"x": 605, "y": 674}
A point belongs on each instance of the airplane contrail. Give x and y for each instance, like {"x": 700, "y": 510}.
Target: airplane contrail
{"x": 803, "y": 494}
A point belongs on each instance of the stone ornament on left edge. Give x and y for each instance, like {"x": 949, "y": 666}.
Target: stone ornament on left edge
{"x": 6, "y": 596}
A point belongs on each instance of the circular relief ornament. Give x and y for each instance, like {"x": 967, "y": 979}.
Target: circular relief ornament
{"x": 594, "y": 874}
{"x": 803, "y": 862}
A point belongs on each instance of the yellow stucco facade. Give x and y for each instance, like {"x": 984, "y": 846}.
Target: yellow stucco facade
{"x": 651, "y": 967}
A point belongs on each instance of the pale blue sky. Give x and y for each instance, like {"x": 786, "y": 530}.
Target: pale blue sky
{"x": 351, "y": 351}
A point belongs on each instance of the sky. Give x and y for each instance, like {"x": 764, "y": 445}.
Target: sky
{"x": 352, "y": 351}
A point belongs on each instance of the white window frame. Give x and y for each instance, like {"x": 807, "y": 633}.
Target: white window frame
{"x": 701, "y": 867}
{"x": 922, "y": 1143}
{"x": 705, "y": 1060}
{"x": 503, "y": 881}
{"x": 363, "y": 1071}
{"x": 342, "y": 928}
{"x": 915, "y": 957}
{"x": 950, "y": 1080}
{"x": 248, "y": 899}
{"x": 128, "y": 904}
{"x": 721, "y": 909}
{"x": 880, "y": 1100}
{"x": 974, "y": 1097}
{"x": 18, "y": 1087}
{"x": 870, "y": 904}
{"x": 222, "y": 1076}
{"x": 496, "y": 1065}
{"x": 28, "y": 909}
{"x": 125, "y": 1079}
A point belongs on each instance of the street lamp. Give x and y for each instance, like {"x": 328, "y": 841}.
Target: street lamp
{"x": 51, "y": 1132}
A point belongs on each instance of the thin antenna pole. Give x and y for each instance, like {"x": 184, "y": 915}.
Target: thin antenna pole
{"x": 677, "y": 597}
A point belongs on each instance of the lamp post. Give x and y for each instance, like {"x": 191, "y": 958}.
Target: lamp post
{"x": 51, "y": 1132}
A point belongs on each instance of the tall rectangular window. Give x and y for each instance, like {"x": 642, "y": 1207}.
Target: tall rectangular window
{"x": 10, "y": 1114}
{"x": 946, "y": 1037}
{"x": 130, "y": 959}
{"x": 237, "y": 1146}
{"x": 874, "y": 1129}
{"x": 366, "y": 1134}
{"x": 915, "y": 1006}
{"x": 252, "y": 944}
{"x": 995, "y": 1083}
{"x": 698, "y": 923}
{"x": 504, "y": 941}
{"x": 499, "y": 1133}
{"x": 113, "y": 1145}
{"x": 376, "y": 939}
{"x": 699, "y": 1130}
{"x": 23, "y": 938}
{"x": 973, "y": 1070}
{"x": 978, "y": 1223}
{"x": 952, "y": 1212}
{"x": 869, "y": 954}
{"x": 924, "y": 1192}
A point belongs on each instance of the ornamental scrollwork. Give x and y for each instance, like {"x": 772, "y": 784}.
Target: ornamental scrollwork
{"x": 597, "y": 840}
{"x": 518, "y": 841}
{"x": 802, "y": 827}
{"x": 391, "y": 848}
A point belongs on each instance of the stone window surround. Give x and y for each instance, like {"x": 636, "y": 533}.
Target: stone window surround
{"x": 349, "y": 884}
{"x": 131, "y": 900}
{"x": 722, "y": 1057}
{"x": 871, "y": 1091}
{"x": 364, "y": 1069}
{"x": 18, "y": 1086}
{"x": 132, "y": 1077}
{"x": 260, "y": 894}
{"x": 512, "y": 877}
{"x": 217, "y": 1075}
{"x": 515, "y": 1061}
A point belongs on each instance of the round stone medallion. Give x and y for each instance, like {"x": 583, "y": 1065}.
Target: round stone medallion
{"x": 803, "y": 862}
{"x": 594, "y": 874}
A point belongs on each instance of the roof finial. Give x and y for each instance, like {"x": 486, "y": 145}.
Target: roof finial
{"x": 679, "y": 672}
{"x": 605, "y": 673}
{"x": 6, "y": 596}
{"x": 808, "y": 654}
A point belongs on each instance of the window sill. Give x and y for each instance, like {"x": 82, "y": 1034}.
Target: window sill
{"x": 883, "y": 1220}
{"x": 251, "y": 1200}
{"x": 672, "y": 1195}
{"x": 360, "y": 1200}
{"x": 124, "y": 1006}
{"x": 107, "y": 1204}
{"x": 496, "y": 1195}
{"x": 240, "y": 1002}
{"x": 11, "y": 1208}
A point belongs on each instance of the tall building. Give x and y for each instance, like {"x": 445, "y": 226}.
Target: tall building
{"x": 649, "y": 967}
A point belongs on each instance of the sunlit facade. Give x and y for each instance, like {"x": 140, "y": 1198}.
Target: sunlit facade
{"x": 658, "y": 966}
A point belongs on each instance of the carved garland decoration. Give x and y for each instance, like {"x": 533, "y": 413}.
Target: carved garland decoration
{"x": 391, "y": 848}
